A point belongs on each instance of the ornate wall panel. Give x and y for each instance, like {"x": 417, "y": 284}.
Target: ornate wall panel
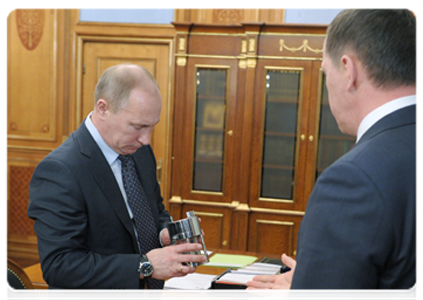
{"x": 18, "y": 222}
{"x": 21, "y": 239}
{"x": 32, "y": 75}
{"x": 36, "y": 99}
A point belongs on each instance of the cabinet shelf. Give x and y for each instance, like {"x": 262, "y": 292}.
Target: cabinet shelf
{"x": 206, "y": 160}
{"x": 211, "y": 98}
{"x": 276, "y": 99}
{"x": 277, "y": 167}
{"x": 280, "y": 134}
{"x": 338, "y": 137}
{"x": 208, "y": 129}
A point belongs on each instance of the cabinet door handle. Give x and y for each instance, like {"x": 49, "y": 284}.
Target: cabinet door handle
{"x": 311, "y": 138}
{"x": 302, "y": 137}
{"x": 230, "y": 132}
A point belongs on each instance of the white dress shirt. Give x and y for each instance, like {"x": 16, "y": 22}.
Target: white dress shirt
{"x": 383, "y": 111}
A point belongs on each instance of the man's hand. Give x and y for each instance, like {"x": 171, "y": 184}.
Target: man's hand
{"x": 169, "y": 261}
{"x": 281, "y": 281}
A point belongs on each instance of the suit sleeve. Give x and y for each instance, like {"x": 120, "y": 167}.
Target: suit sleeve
{"x": 58, "y": 208}
{"x": 343, "y": 238}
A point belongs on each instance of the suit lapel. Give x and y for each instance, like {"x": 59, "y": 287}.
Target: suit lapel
{"x": 104, "y": 177}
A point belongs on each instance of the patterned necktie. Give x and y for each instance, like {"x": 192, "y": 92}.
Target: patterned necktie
{"x": 143, "y": 218}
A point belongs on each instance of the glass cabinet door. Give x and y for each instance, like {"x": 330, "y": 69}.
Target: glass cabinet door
{"x": 209, "y": 137}
{"x": 283, "y": 94}
{"x": 332, "y": 142}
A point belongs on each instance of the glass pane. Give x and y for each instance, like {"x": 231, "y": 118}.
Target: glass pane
{"x": 332, "y": 142}
{"x": 280, "y": 128}
{"x": 209, "y": 129}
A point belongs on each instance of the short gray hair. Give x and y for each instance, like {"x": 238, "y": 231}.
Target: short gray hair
{"x": 117, "y": 82}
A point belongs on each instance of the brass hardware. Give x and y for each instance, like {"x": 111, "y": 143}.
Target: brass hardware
{"x": 311, "y": 138}
{"x": 295, "y": 252}
{"x": 251, "y": 63}
{"x": 302, "y": 137}
{"x": 224, "y": 243}
{"x": 159, "y": 171}
{"x": 181, "y": 61}
{"x": 230, "y": 132}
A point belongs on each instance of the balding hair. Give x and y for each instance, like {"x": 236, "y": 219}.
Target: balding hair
{"x": 117, "y": 82}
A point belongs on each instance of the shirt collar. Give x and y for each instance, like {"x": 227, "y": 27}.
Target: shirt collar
{"x": 108, "y": 152}
{"x": 383, "y": 111}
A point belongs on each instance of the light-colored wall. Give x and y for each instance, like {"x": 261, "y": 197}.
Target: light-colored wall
{"x": 165, "y": 16}
{"x": 310, "y": 16}
{"x": 146, "y": 16}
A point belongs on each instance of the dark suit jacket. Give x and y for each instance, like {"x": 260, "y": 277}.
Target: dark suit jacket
{"x": 85, "y": 236}
{"x": 359, "y": 229}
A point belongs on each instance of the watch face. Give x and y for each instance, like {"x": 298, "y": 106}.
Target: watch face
{"x": 146, "y": 269}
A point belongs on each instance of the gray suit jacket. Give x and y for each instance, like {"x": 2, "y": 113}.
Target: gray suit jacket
{"x": 359, "y": 229}
{"x": 85, "y": 236}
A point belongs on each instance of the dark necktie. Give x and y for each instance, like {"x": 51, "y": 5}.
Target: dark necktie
{"x": 143, "y": 218}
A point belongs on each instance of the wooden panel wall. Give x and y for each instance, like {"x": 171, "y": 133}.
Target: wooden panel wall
{"x": 229, "y": 16}
{"x": 36, "y": 101}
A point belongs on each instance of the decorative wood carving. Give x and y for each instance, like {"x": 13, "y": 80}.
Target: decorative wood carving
{"x": 30, "y": 24}
{"x": 228, "y": 16}
{"x": 13, "y": 126}
{"x": 18, "y": 221}
{"x": 305, "y": 46}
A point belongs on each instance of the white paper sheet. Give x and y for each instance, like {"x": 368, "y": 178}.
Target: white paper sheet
{"x": 194, "y": 281}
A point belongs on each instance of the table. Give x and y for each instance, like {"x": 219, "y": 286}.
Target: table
{"x": 36, "y": 276}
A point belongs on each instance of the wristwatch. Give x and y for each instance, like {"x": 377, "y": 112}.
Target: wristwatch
{"x": 145, "y": 268}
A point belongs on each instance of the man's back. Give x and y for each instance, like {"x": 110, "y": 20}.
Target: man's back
{"x": 364, "y": 209}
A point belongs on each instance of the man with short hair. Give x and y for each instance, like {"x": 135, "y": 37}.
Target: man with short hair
{"x": 359, "y": 228}
{"x": 99, "y": 216}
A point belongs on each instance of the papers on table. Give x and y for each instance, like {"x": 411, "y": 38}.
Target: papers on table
{"x": 259, "y": 269}
{"x": 194, "y": 281}
{"x": 230, "y": 260}
{"x": 243, "y": 275}
{"x": 247, "y": 269}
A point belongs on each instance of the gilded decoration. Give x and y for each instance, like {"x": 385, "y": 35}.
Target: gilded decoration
{"x": 305, "y": 46}
{"x": 30, "y": 24}
{"x": 181, "y": 61}
{"x": 252, "y": 45}
{"x": 227, "y": 16}
{"x": 243, "y": 46}
{"x": 181, "y": 45}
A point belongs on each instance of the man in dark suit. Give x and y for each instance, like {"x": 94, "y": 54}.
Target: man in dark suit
{"x": 359, "y": 228}
{"x": 89, "y": 234}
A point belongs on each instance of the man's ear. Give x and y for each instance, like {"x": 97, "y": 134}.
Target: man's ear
{"x": 102, "y": 106}
{"x": 349, "y": 63}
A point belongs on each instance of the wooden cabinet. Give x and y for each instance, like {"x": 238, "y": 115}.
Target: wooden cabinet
{"x": 252, "y": 131}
